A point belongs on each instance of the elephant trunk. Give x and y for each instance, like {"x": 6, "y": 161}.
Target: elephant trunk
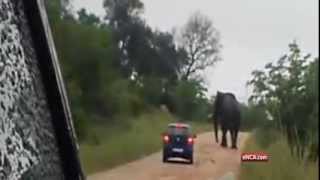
{"x": 215, "y": 124}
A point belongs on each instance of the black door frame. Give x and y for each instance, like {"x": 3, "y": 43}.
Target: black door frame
{"x": 55, "y": 89}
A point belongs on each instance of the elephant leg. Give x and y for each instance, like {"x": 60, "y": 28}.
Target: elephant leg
{"x": 224, "y": 138}
{"x": 234, "y": 139}
{"x": 231, "y": 137}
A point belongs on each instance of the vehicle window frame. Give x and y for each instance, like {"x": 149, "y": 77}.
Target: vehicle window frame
{"x": 187, "y": 131}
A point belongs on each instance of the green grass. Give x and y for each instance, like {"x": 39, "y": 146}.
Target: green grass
{"x": 108, "y": 147}
{"x": 281, "y": 165}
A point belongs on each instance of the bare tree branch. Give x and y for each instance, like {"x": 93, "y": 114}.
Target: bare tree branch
{"x": 201, "y": 42}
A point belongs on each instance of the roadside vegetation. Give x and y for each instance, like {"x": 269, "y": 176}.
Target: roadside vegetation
{"x": 114, "y": 145}
{"x": 288, "y": 90}
{"x": 281, "y": 165}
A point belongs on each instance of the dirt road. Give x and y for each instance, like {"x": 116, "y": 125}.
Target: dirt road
{"x": 212, "y": 162}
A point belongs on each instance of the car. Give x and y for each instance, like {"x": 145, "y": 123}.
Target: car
{"x": 178, "y": 142}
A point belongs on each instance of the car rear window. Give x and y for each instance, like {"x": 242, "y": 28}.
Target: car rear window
{"x": 178, "y": 130}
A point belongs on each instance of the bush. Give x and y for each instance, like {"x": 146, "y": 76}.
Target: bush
{"x": 111, "y": 145}
{"x": 252, "y": 117}
{"x": 80, "y": 124}
{"x": 189, "y": 101}
{"x": 266, "y": 136}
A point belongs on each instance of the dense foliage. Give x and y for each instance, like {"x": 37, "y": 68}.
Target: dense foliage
{"x": 288, "y": 89}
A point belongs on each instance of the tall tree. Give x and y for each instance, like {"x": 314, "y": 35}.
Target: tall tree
{"x": 57, "y": 10}
{"x": 121, "y": 12}
{"x": 142, "y": 51}
{"x": 288, "y": 90}
{"x": 201, "y": 41}
{"x": 123, "y": 16}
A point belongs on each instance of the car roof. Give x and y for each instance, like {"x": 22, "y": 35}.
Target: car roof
{"x": 179, "y": 125}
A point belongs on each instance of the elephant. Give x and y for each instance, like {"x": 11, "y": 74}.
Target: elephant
{"x": 227, "y": 115}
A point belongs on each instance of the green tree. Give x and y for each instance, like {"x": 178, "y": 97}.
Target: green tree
{"x": 190, "y": 101}
{"x": 123, "y": 18}
{"x": 85, "y": 52}
{"x": 86, "y": 18}
{"x": 253, "y": 116}
{"x": 288, "y": 89}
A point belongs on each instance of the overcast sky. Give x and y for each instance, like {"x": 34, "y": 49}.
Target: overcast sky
{"x": 253, "y": 32}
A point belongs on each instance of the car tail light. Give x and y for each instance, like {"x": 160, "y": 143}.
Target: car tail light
{"x": 190, "y": 140}
{"x": 166, "y": 138}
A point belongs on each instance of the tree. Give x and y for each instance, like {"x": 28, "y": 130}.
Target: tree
{"x": 288, "y": 90}
{"x": 190, "y": 101}
{"x": 144, "y": 55}
{"x": 200, "y": 39}
{"x": 123, "y": 17}
{"x": 121, "y": 12}
{"x": 58, "y": 10}
{"x": 153, "y": 54}
{"x": 89, "y": 19}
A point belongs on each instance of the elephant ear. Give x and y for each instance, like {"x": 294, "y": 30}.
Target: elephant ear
{"x": 233, "y": 96}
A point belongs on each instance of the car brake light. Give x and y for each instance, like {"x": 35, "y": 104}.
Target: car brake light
{"x": 190, "y": 140}
{"x": 166, "y": 138}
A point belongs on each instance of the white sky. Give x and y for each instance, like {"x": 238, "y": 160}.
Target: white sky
{"x": 253, "y": 32}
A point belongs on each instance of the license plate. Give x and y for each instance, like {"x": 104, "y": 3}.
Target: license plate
{"x": 179, "y": 150}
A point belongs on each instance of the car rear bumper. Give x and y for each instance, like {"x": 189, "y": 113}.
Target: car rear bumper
{"x": 187, "y": 152}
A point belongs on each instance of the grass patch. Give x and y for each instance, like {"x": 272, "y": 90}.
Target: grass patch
{"x": 108, "y": 147}
{"x": 281, "y": 165}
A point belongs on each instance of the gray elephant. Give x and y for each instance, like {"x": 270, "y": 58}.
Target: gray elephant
{"x": 226, "y": 115}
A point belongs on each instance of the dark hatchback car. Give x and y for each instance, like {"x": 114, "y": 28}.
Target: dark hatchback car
{"x": 178, "y": 142}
